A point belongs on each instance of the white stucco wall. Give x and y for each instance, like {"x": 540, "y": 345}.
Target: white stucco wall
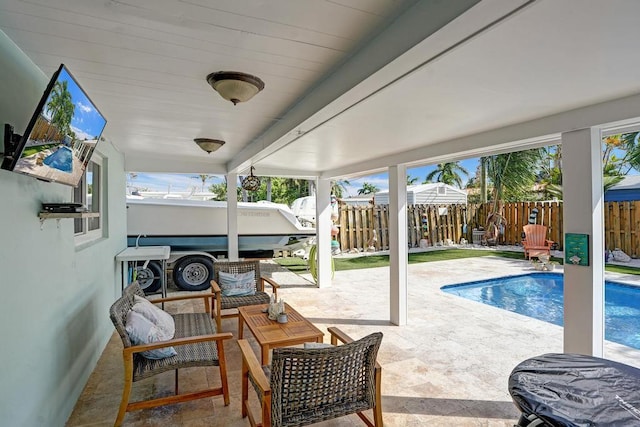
{"x": 54, "y": 320}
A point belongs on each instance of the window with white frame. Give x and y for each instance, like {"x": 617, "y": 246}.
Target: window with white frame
{"x": 90, "y": 193}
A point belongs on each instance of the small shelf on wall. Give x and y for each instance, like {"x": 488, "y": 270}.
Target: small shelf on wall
{"x": 61, "y": 215}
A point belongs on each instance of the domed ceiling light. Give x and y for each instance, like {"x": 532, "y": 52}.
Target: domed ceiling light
{"x": 235, "y": 86}
{"x": 209, "y": 145}
{"x": 251, "y": 182}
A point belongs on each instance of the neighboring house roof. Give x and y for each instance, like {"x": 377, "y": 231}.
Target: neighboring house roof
{"x": 431, "y": 193}
{"x": 626, "y": 190}
{"x": 629, "y": 182}
{"x": 418, "y": 188}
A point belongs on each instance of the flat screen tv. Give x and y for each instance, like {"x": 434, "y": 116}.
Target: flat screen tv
{"x": 61, "y": 136}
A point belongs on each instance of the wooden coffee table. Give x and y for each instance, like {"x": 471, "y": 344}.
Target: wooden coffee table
{"x": 271, "y": 334}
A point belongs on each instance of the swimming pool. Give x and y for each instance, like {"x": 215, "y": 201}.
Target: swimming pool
{"x": 540, "y": 295}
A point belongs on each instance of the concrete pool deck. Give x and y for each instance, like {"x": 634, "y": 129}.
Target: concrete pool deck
{"x": 448, "y": 366}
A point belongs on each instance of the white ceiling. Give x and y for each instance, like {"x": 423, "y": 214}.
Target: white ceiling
{"x": 352, "y": 86}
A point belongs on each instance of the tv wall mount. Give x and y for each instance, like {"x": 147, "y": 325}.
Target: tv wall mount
{"x": 11, "y": 141}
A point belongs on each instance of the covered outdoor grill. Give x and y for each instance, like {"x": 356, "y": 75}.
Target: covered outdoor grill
{"x": 567, "y": 390}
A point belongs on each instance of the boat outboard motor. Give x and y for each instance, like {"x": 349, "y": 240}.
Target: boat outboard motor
{"x": 574, "y": 390}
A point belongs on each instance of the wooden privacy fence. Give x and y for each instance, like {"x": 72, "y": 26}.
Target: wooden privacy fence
{"x": 429, "y": 225}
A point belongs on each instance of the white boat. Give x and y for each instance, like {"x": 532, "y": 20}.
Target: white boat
{"x": 187, "y": 224}
{"x": 196, "y": 231}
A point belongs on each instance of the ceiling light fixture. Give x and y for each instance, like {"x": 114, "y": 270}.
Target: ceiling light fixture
{"x": 251, "y": 182}
{"x": 209, "y": 145}
{"x": 235, "y": 86}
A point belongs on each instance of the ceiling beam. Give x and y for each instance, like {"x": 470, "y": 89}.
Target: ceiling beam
{"x": 531, "y": 134}
{"x": 419, "y": 21}
{"x": 163, "y": 164}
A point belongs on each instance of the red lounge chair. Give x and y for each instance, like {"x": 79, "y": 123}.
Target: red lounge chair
{"x": 535, "y": 242}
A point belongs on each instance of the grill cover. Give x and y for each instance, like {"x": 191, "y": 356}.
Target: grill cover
{"x": 577, "y": 390}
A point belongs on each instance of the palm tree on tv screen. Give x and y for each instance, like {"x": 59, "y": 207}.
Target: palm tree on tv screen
{"x": 60, "y": 107}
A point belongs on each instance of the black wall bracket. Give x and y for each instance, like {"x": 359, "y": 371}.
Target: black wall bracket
{"x": 11, "y": 141}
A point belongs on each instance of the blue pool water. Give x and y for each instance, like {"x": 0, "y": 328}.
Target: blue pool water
{"x": 540, "y": 295}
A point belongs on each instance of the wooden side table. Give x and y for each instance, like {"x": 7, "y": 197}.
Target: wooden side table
{"x": 271, "y": 334}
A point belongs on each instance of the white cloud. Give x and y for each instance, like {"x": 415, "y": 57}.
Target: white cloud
{"x": 80, "y": 134}
{"x": 84, "y": 108}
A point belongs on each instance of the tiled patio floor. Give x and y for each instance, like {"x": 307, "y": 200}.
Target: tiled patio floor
{"x": 448, "y": 367}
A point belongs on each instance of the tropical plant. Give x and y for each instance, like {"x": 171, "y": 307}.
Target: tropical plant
{"x": 203, "y": 178}
{"x": 219, "y": 190}
{"x": 608, "y": 181}
{"x": 411, "y": 180}
{"x": 283, "y": 190}
{"x": 340, "y": 187}
{"x": 448, "y": 173}
{"x": 513, "y": 175}
{"x": 367, "y": 188}
{"x": 621, "y": 153}
{"x": 60, "y": 107}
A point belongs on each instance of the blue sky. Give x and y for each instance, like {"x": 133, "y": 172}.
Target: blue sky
{"x": 87, "y": 122}
{"x": 382, "y": 180}
{"x": 185, "y": 182}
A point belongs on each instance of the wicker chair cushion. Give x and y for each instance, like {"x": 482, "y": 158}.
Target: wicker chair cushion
{"x": 187, "y": 325}
{"x": 142, "y": 331}
{"x": 240, "y": 301}
{"x": 309, "y": 345}
{"x": 189, "y": 355}
{"x": 160, "y": 318}
{"x": 238, "y": 284}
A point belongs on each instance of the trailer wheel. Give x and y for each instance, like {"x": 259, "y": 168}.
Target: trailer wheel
{"x": 193, "y": 273}
{"x": 150, "y": 278}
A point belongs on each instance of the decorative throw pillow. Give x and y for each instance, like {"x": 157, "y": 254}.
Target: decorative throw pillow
{"x": 160, "y": 318}
{"x": 312, "y": 345}
{"x": 240, "y": 284}
{"x": 142, "y": 331}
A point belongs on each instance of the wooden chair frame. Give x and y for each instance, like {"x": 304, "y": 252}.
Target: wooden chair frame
{"x": 253, "y": 373}
{"x": 535, "y": 241}
{"x": 134, "y": 366}
{"x": 221, "y": 302}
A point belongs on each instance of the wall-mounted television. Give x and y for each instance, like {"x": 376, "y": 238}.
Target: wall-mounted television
{"x": 61, "y": 136}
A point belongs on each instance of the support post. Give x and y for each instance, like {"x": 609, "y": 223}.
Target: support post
{"x": 232, "y": 217}
{"x": 583, "y": 214}
{"x": 323, "y": 231}
{"x": 398, "y": 242}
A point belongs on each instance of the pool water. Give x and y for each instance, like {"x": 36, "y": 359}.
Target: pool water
{"x": 540, "y": 295}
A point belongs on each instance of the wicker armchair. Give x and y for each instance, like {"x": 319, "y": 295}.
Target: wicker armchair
{"x": 306, "y": 386}
{"x": 196, "y": 342}
{"x": 222, "y": 302}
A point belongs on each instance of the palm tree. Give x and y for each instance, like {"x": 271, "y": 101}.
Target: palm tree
{"x": 204, "y": 179}
{"x": 411, "y": 180}
{"x": 60, "y": 106}
{"x": 339, "y": 187}
{"x": 608, "y": 181}
{"x": 367, "y": 188}
{"x": 513, "y": 174}
{"x": 629, "y": 146}
{"x": 448, "y": 173}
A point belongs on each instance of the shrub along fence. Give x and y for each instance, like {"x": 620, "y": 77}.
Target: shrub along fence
{"x": 429, "y": 225}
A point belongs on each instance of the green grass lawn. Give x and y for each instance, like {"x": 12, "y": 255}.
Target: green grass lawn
{"x": 298, "y": 265}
